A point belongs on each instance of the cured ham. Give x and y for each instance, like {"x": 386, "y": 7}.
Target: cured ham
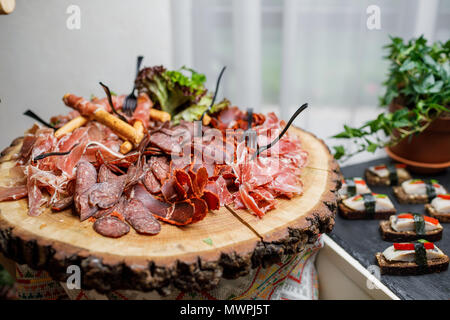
{"x": 13, "y": 193}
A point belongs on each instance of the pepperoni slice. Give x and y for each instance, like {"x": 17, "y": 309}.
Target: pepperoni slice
{"x": 140, "y": 218}
{"x": 111, "y": 227}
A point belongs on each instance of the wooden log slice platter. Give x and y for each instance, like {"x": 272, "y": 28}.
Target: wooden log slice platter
{"x": 226, "y": 244}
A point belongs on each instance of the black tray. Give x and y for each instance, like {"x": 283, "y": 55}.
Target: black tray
{"x": 362, "y": 239}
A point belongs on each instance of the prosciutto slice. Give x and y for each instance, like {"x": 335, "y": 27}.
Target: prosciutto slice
{"x": 13, "y": 193}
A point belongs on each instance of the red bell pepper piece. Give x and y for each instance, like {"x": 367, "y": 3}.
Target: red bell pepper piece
{"x": 410, "y": 216}
{"x": 410, "y": 246}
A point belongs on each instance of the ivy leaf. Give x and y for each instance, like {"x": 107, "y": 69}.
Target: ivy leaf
{"x": 208, "y": 241}
{"x": 339, "y": 152}
{"x": 429, "y": 81}
{"x": 436, "y": 87}
{"x": 372, "y": 147}
{"x": 407, "y": 65}
{"x": 430, "y": 61}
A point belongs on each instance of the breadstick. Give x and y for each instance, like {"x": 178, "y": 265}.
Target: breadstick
{"x": 159, "y": 115}
{"x": 206, "y": 120}
{"x": 127, "y": 146}
{"x": 121, "y": 128}
{"x": 71, "y": 126}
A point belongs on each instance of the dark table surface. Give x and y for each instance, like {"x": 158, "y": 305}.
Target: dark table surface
{"x": 361, "y": 239}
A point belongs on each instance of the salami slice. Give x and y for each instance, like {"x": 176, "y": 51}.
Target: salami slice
{"x": 200, "y": 209}
{"x": 180, "y": 213}
{"x": 172, "y": 190}
{"x": 153, "y": 204}
{"x": 140, "y": 218}
{"x": 160, "y": 168}
{"x": 211, "y": 199}
{"x": 202, "y": 178}
{"x": 151, "y": 183}
{"x": 111, "y": 227}
{"x": 62, "y": 204}
{"x": 118, "y": 207}
{"x": 106, "y": 193}
{"x": 86, "y": 178}
{"x": 184, "y": 180}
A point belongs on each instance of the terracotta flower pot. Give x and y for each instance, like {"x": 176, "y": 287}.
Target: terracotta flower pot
{"x": 426, "y": 152}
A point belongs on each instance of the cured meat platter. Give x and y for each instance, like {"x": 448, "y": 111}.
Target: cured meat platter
{"x": 51, "y": 216}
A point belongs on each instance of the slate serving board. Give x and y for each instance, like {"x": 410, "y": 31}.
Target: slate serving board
{"x": 362, "y": 239}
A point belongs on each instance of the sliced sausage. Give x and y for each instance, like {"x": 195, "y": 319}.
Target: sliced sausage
{"x": 111, "y": 227}
{"x": 140, "y": 218}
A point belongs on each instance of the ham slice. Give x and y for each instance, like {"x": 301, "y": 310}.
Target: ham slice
{"x": 13, "y": 193}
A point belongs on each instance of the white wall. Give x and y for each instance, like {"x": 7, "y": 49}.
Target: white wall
{"x": 41, "y": 59}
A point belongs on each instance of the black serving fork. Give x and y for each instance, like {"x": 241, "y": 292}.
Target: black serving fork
{"x": 250, "y": 134}
{"x": 285, "y": 129}
{"x": 131, "y": 101}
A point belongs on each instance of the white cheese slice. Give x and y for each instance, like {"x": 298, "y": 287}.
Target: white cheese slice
{"x": 407, "y": 224}
{"x": 381, "y": 204}
{"x": 384, "y": 172}
{"x": 409, "y": 255}
{"x": 412, "y": 187}
{"x": 441, "y": 205}
{"x": 360, "y": 188}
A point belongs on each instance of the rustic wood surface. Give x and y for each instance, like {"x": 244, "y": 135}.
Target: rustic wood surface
{"x": 178, "y": 256}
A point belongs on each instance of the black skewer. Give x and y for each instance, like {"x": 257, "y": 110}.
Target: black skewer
{"x": 250, "y": 134}
{"x": 270, "y": 145}
{"x": 34, "y": 116}
{"x": 49, "y": 154}
{"x": 215, "y": 93}
{"x": 108, "y": 94}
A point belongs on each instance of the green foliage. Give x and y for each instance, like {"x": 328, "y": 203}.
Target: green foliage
{"x": 172, "y": 91}
{"x": 5, "y": 277}
{"x": 195, "y": 82}
{"x": 418, "y": 79}
{"x": 195, "y": 111}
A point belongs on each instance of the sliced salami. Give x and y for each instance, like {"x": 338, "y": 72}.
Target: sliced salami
{"x": 211, "y": 199}
{"x": 153, "y": 204}
{"x": 62, "y": 204}
{"x": 160, "y": 167}
{"x": 111, "y": 227}
{"x": 86, "y": 178}
{"x": 140, "y": 218}
{"x": 151, "y": 183}
{"x": 107, "y": 192}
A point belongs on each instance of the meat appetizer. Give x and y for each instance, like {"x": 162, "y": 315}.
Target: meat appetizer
{"x": 367, "y": 206}
{"x": 410, "y": 227}
{"x": 412, "y": 258}
{"x": 439, "y": 207}
{"x": 118, "y": 170}
{"x": 353, "y": 186}
{"x": 418, "y": 191}
{"x": 386, "y": 175}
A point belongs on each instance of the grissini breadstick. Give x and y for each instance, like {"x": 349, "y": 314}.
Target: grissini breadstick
{"x": 71, "y": 126}
{"x": 159, "y": 115}
{"x": 127, "y": 146}
{"x": 206, "y": 120}
{"x": 96, "y": 112}
{"x": 121, "y": 128}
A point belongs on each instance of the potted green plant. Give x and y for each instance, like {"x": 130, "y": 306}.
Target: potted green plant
{"x": 416, "y": 127}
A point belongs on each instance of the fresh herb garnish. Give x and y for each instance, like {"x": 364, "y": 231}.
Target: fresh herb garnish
{"x": 208, "y": 241}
